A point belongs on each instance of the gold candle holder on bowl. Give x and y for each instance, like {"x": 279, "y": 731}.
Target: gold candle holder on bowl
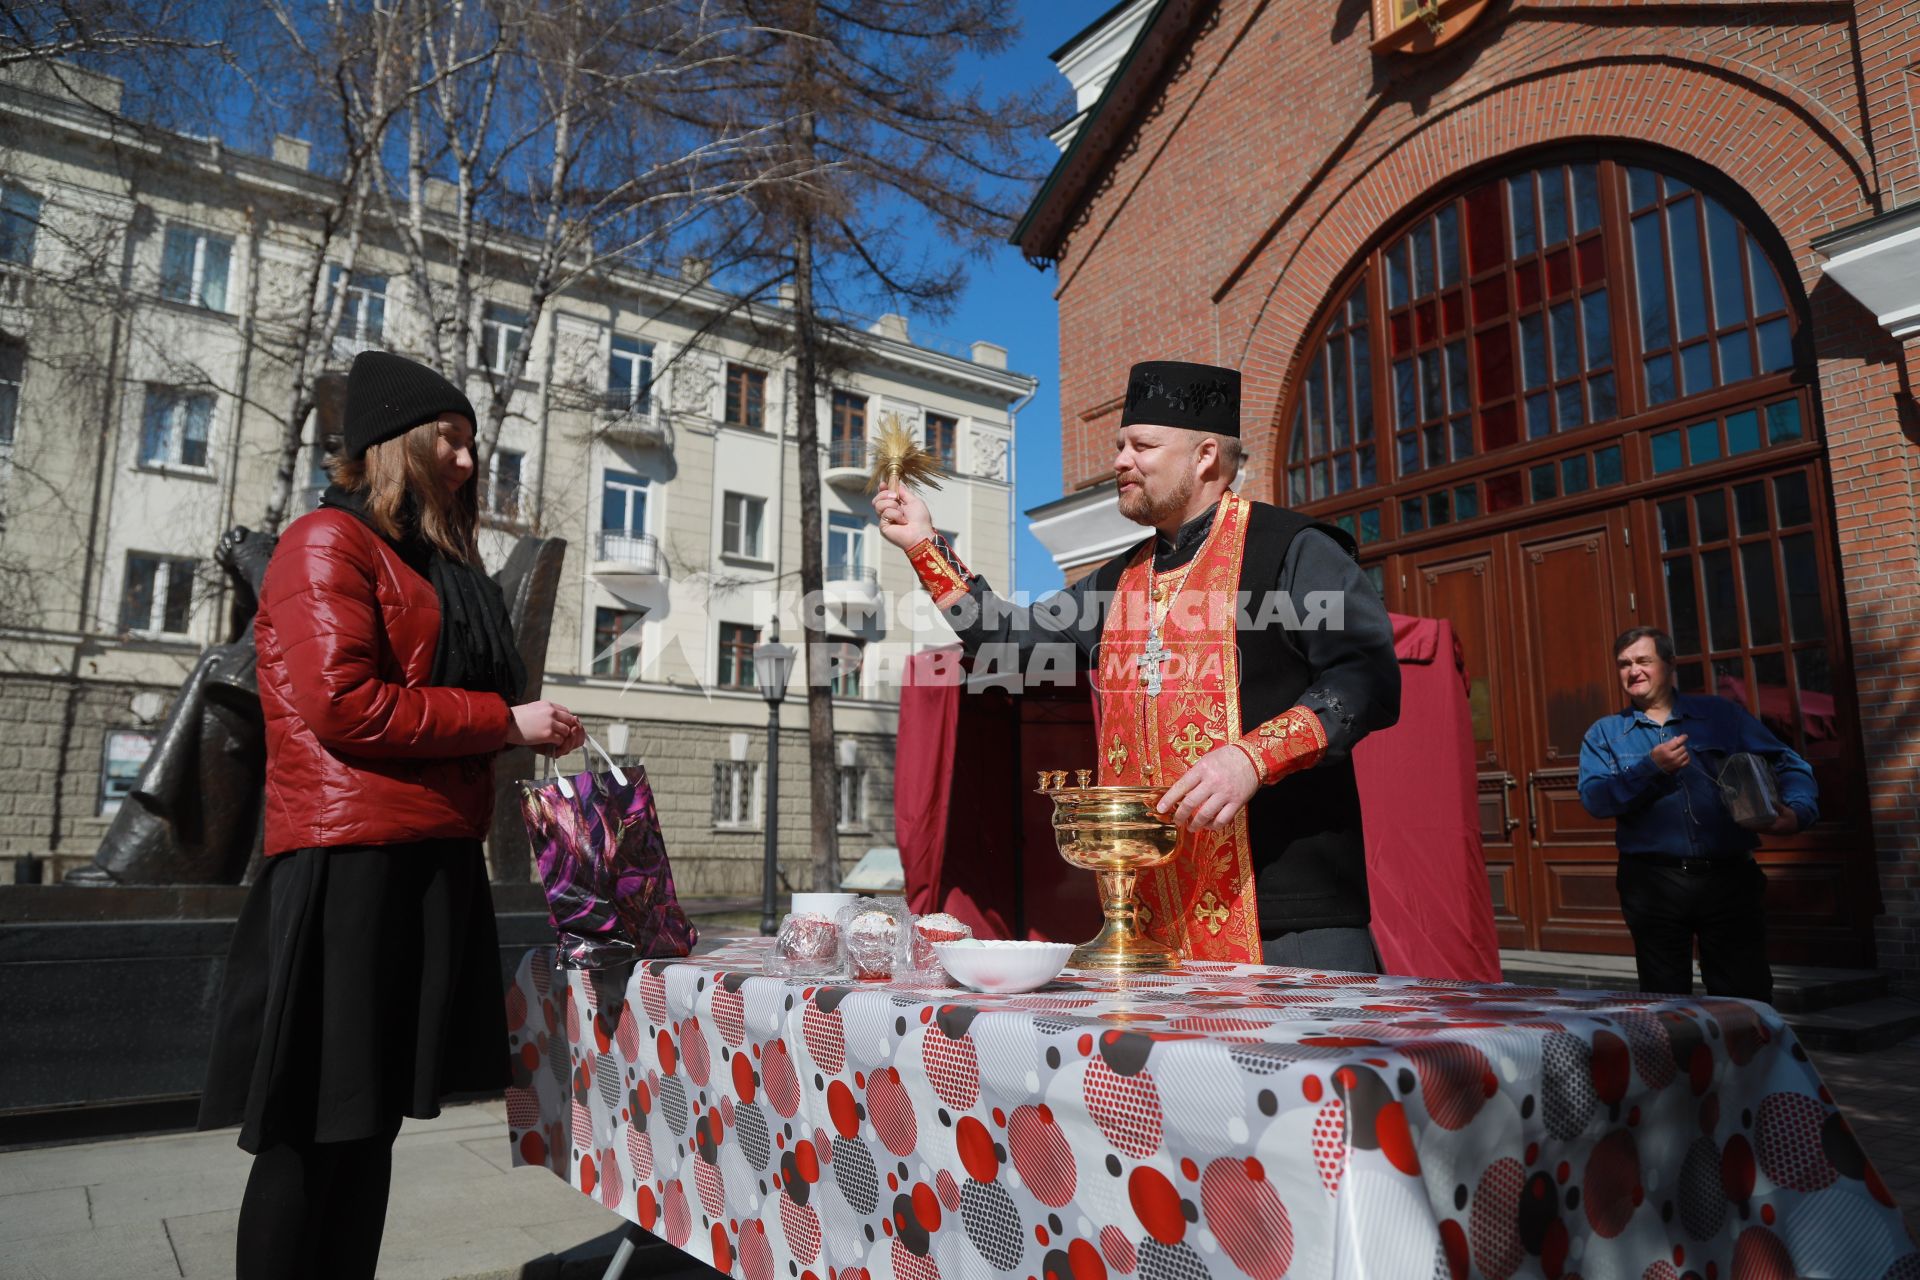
{"x": 1115, "y": 833}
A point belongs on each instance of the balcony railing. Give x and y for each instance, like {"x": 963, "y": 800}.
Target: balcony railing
{"x": 841, "y": 571}
{"x": 846, "y": 464}
{"x": 625, "y": 400}
{"x": 627, "y": 420}
{"x": 346, "y": 345}
{"x": 632, "y": 552}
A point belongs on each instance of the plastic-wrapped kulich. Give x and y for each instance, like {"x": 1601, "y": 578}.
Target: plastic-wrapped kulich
{"x": 932, "y": 929}
{"x": 873, "y": 939}
{"x": 809, "y": 943}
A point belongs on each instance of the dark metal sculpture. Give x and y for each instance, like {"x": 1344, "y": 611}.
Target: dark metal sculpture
{"x": 194, "y": 815}
{"x": 530, "y": 579}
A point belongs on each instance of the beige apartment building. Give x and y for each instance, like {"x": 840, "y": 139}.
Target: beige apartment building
{"x": 146, "y": 285}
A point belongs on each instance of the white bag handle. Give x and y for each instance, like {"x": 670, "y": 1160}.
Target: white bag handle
{"x": 566, "y": 787}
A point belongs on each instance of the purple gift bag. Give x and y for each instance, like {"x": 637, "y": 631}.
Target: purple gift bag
{"x": 604, "y": 866}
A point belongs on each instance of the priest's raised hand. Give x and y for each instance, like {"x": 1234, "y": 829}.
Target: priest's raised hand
{"x": 1209, "y": 795}
{"x": 904, "y": 518}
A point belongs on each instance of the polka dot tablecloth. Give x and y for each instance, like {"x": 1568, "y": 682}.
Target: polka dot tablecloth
{"x": 1230, "y": 1120}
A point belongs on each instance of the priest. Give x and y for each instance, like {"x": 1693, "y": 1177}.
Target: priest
{"x": 1237, "y": 654}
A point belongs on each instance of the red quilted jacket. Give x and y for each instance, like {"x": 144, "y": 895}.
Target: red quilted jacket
{"x": 358, "y": 751}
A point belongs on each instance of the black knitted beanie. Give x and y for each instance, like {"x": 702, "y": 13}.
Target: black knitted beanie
{"x": 389, "y": 395}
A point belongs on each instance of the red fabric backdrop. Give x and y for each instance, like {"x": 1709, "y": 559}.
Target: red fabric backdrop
{"x": 1432, "y": 910}
{"x": 975, "y": 840}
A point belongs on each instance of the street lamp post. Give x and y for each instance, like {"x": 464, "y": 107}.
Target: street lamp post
{"x": 772, "y": 664}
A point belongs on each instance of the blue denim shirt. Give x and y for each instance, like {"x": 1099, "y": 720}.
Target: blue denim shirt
{"x": 1681, "y": 813}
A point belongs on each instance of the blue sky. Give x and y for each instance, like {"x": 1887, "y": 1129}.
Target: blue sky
{"x": 1006, "y": 300}
{"x": 1011, "y": 303}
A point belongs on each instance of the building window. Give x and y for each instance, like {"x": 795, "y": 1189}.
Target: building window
{"x": 616, "y": 642}
{"x": 1497, "y": 319}
{"x": 122, "y": 756}
{"x": 502, "y": 330}
{"x": 1333, "y": 423}
{"x": 13, "y": 363}
{"x": 193, "y": 268}
{"x": 1726, "y": 435}
{"x": 174, "y": 428}
{"x": 850, "y": 798}
{"x": 736, "y": 655}
{"x": 363, "y": 311}
{"x": 1390, "y": 16}
{"x": 630, "y": 375}
{"x": 19, "y": 224}
{"x": 1709, "y": 306}
{"x": 501, "y": 498}
{"x": 942, "y": 434}
{"x": 844, "y": 677}
{"x": 623, "y": 503}
{"x": 158, "y": 594}
{"x": 846, "y": 547}
{"x": 736, "y": 794}
{"x": 847, "y": 441}
{"x": 741, "y": 517}
{"x": 1362, "y": 526}
{"x": 1740, "y": 567}
{"x": 746, "y": 398}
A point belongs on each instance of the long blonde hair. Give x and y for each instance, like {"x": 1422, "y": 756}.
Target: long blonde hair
{"x": 401, "y": 480}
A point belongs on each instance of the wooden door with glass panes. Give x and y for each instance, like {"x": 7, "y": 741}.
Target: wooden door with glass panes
{"x": 1745, "y": 581}
{"x": 1535, "y": 611}
{"x": 1563, "y": 399}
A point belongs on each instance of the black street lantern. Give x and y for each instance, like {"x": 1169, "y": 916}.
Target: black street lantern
{"x": 772, "y": 665}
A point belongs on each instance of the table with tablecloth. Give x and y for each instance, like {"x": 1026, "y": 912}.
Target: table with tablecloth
{"x": 1226, "y": 1120}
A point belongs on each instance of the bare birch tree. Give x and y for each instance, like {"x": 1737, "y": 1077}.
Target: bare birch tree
{"x": 353, "y": 62}
{"x": 545, "y": 151}
{"x": 50, "y": 30}
{"x": 881, "y": 142}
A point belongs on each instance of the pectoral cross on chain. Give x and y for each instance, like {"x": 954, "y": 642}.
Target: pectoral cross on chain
{"x": 1150, "y": 661}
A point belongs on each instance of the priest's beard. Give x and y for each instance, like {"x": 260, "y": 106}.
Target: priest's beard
{"x": 1143, "y": 505}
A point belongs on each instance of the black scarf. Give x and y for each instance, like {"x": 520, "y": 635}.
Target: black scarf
{"x": 475, "y": 650}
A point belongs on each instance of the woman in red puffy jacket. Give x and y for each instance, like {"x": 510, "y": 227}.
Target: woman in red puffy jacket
{"x": 363, "y": 983}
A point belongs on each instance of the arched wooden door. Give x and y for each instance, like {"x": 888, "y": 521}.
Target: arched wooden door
{"x": 1567, "y": 400}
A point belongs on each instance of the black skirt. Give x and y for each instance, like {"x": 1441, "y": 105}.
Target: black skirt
{"x": 363, "y": 985}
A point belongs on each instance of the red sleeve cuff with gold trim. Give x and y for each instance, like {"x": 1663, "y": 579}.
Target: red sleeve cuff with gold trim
{"x": 941, "y": 572}
{"x": 1291, "y": 741}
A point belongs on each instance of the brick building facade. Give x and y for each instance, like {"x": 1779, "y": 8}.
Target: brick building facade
{"x": 1541, "y": 437}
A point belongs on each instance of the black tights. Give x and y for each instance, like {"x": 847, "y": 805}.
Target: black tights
{"x": 316, "y": 1209}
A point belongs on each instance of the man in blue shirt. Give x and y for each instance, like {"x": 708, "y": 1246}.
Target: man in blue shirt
{"x": 1686, "y": 867}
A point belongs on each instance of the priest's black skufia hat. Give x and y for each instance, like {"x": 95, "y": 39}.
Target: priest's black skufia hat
{"x": 389, "y": 395}
{"x": 1173, "y": 393}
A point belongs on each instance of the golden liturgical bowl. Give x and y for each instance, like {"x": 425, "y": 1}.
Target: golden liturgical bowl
{"x": 1114, "y": 833}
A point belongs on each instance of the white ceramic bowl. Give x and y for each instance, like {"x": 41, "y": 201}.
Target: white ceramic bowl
{"x": 1008, "y": 967}
{"x": 827, "y": 904}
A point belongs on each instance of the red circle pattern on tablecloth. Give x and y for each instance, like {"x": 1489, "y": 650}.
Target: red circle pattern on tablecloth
{"x": 1224, "y": 1121}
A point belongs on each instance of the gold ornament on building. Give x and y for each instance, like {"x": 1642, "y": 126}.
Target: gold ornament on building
{"x": 898, "y": 460}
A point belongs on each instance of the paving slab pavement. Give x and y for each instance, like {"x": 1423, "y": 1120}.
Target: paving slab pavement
{"x": 165, "y": 1205}
{"x": 1880, "y": 1092}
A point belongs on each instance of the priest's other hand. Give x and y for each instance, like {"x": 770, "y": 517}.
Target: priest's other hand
{"x": 1211, "y": 794}
{"x": 904, "y": 518}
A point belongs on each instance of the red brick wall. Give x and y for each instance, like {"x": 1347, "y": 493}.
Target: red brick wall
{"x": 1282, "y": 148}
